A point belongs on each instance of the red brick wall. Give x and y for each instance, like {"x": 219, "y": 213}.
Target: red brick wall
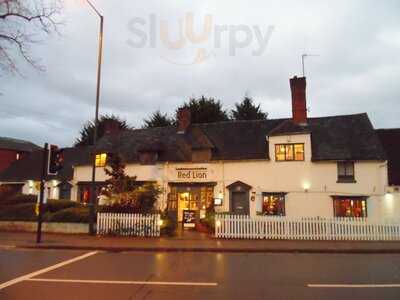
{"x": 299, "y": 104}
{"x": 6, "y": 158}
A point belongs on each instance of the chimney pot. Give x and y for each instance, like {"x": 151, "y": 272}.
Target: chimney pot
{"x": 111, "y": 126}
{"x": 184, "y": 119}
{"x": 299, "y": 103}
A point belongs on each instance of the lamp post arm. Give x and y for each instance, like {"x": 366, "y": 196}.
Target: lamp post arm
{"x": 94, "y": 8}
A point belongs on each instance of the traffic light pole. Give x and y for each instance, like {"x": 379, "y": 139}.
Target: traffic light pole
{"x": 41, "y": 196}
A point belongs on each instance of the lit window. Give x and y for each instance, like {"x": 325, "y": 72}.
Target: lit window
{"x": 17, "y": 156}
{"x": 273, "y": 204}
{"x": 345, "y": 172}
{"x": 101, "y": 160}
{"x": 289, "y": 152}
{"x": 353, "y": 207}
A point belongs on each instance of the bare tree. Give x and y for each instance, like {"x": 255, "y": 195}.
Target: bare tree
{"x": 22, "y": 24}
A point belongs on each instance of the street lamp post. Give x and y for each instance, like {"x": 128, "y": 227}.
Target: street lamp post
{"x": 92, "y": 202}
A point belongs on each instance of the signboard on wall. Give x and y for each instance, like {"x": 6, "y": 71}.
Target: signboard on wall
{"x": 217, "y": 201}
{"x": 191, "y": 173}
{"x": 189, "y": 218}
{"x": 194, "y": 173}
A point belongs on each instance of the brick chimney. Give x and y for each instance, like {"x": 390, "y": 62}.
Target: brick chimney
{"x": 299, "y": 103}
{"x": 111, "y": 126}
{"x": 184, "y": 119}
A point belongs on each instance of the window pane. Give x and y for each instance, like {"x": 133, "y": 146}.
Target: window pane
{"x": 350, "y": 169}
{"x": 299, "y": 151}
{"x": 280, "y": 152}
{"x": 356, "y": 208}
{"x": 101, "y": 160}
{"x": 273, "y": 204}
{"x": 346, "y": 171}
{"x": 289, "y": 152}
{"x": 341, "y": 169}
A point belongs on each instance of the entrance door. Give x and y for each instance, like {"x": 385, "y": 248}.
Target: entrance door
{"x": 240, "y": 203}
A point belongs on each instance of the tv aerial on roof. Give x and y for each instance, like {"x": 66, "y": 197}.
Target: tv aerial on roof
{"x": 303, "y": 57}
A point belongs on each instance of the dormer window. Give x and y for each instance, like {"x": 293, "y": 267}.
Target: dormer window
{"x": 101, "y": 160}
{"x": 289, "y": 152}
{"x": 148, "y": 157}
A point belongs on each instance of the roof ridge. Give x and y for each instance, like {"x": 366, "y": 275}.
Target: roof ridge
{"x": 338, "y": 116}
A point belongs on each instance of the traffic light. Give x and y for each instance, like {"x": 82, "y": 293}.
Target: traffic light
{"x": 56, "y": 160}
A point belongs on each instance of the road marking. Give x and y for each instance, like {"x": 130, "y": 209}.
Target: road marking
{"x": 125, "y": 282}
{"x": 389, "y": 285}
{"x": 51, "y": 268}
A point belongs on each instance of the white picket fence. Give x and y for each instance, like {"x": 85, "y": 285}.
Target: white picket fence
{"x": 260, "y": 227}
{"x": 128, "y": 224}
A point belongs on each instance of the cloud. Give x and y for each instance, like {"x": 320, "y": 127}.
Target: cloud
{"x": 356, "y": 70}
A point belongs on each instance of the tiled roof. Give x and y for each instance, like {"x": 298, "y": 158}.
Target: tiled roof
{"x": 7, "y": 143}
{"x": 29, "y": 168}
{"x": 390, "y": 139}
{"x": 289, "y": 127}
{"x": 349, "y": 137}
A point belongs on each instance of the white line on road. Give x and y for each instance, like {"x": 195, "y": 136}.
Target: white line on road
{"x": 51, "y": 268}
{"x": 126, "y": 282}
{"x": 387, "y": 285}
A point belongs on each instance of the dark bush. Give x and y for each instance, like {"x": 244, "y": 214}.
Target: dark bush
{"x": 18, "y": 199}
{"x": 209, "y": 220}
{"x": 56, "y": 205}
{"x": 6, "y": 192}
{"x": 69, "y": 215}
{"x": 19, "y": 212}
{"x": 169, "y": 223}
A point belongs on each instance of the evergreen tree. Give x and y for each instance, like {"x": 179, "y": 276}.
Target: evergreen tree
{"x": 247, "y": 110}
{"x": 118, "y": 182}
{"x": 205, "y": 110}
{"x": 157, "y": 119}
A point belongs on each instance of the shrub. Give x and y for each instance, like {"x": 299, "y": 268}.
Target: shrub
{"x": 18, "y": 199}
{"x": 139, "y": 200}
{"x": 209, "y": 220}
{"x": 56, "y": 205}
{"x": 5, "y": 192}
{"x": 169, "y": 223}
{"x": 18, "y": 212}
{"x": 69, "y": 215}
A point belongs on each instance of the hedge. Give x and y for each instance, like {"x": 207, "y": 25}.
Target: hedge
{"x": 69, "y": 215}
{"x": 18, "y": 212}
{"x": 56, "y": 205}
{"x": 54, "y": 210}
{"x": 18, "y": 199}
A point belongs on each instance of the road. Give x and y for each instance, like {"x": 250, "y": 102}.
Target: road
{"x": 59, "y": 274}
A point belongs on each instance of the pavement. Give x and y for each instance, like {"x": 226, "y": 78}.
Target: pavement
{"x": 41, "y": 274}
{"x": 190, "y": 242}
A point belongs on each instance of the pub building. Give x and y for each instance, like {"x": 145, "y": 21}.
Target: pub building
{"x": 301, "y": 166}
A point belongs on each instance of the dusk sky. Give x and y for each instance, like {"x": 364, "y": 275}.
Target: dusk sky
{"x": 250, "y": 48}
